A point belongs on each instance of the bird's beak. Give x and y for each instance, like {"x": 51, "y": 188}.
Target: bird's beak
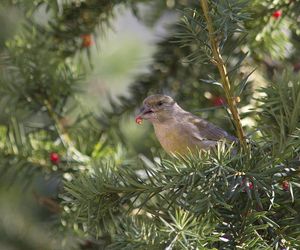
{"x": 144, "y": 112}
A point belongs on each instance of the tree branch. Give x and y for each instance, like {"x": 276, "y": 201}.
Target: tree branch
{"x": 218, "y": 61}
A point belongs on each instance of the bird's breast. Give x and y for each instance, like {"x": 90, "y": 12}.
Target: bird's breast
{"x": 172, "y": 138}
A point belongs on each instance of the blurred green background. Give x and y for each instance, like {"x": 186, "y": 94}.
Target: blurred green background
{"x": 114, "y": 58}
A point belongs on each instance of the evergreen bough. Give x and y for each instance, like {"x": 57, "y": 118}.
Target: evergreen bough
{"x": 248, "y": 199}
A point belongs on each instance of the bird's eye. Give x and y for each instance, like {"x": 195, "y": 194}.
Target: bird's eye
{"x": 160, "y": 103}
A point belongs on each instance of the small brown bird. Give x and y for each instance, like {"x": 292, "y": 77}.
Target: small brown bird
{"x": 177, "y": 130}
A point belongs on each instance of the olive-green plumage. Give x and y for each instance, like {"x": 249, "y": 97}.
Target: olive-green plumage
{"x": 177, "y": 130}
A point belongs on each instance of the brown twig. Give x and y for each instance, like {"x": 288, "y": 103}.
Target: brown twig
{"x": 218, "y": 61}
{"x": 64, "y": 136}
{"x": 48, "y": 202}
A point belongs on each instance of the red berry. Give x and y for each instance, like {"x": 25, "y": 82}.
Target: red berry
{"x": 218, "y": 101}
{"x": 54, "y": 158}
{"x": 276, "y": 14}
{"x": 285, "y": 185}
{"x": 138, "y": 120}
{"x": 87, "y": 40}
{"x": 248, "y": 184}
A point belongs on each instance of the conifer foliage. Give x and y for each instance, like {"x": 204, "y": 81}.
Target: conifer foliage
{"x": 232, "y": 61}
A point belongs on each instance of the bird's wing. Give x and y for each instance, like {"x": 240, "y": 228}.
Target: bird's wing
{"x": 205, "y": 130}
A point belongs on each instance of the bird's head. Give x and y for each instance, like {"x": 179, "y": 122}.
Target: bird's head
{"x": 156, "y": 108}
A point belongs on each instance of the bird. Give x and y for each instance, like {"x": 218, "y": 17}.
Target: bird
{"x": 179, "y": 131}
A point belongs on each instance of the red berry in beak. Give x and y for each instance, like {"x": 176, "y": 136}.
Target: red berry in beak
{"x": 138, "y": 120}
